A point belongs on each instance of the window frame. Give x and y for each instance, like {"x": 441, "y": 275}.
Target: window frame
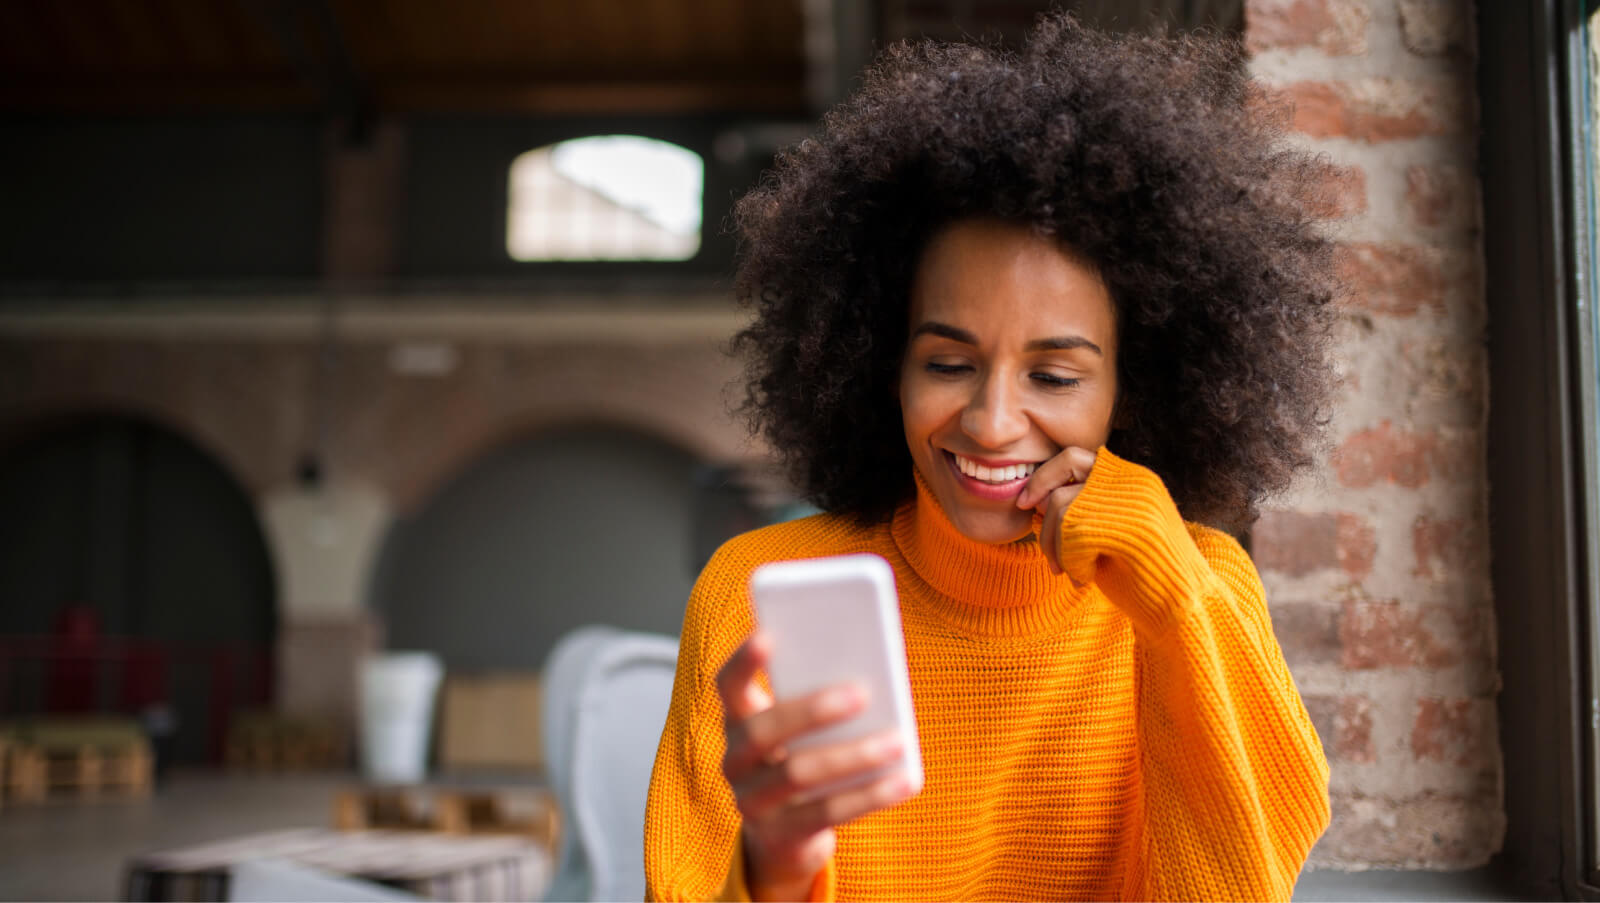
{"x": 1541, "y": 439}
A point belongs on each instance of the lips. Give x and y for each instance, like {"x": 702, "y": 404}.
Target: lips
{"x": 994, "y": 474}
{"x": 1002, "y": 480}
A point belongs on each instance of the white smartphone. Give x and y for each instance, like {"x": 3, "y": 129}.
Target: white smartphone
{"x": 835, "y": 620}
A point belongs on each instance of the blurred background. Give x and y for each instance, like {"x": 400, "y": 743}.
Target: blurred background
{"x": 337, "y": 329}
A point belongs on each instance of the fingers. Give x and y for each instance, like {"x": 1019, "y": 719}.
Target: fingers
{"x": 770, "y": 787}
{"x": 736, "y": 681}
{"x": 1055, "y": 506}
{"x": 1051, "y": 490}
{"x": 760, "y": 737}
{"x": 788, "y": 845}
{"x": 805, "y": 819}
{"x": 788, "y": 834}
{"x": 1070, "y": 467}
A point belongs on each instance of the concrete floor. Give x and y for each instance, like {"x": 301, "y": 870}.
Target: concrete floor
{"x": 63, "y": 850}
{"x": 76, "y": 851}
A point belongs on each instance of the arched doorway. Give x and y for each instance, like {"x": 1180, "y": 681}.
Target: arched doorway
{"x": 125, "y": 536}
{"x": 578, "y": 526}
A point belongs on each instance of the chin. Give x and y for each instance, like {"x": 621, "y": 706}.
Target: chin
{"x": 995, "y": 530}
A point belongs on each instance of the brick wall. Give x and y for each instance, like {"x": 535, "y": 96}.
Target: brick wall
{"x": 242, "y": 387}
{"x": 1378, "y": 570}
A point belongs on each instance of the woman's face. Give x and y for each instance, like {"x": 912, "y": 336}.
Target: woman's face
{"x": 1012, "y": 357}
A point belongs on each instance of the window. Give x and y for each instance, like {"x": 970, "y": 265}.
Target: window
{"x": 1538, "y": 103}
{"x": 607, "y": 197}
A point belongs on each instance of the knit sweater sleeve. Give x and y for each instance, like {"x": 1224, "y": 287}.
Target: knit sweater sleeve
{"x": 692, "y": 842}
{"x": 1235, "y": 785}
{"x": 691, "y": 832}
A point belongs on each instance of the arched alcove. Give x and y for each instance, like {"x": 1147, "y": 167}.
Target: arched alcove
{"x": 128, "y": 521}
{"x": 567, "y": 527}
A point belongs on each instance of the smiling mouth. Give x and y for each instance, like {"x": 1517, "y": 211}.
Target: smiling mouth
{"x": 993, "y": 476}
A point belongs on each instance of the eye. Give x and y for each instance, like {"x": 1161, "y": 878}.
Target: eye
{"x": 1053, "y": 381}
{"x": 946, "y": 369}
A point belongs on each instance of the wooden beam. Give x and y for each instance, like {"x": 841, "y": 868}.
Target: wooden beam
{"x": 40, "y": 93}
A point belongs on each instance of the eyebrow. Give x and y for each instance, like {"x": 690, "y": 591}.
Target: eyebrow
{"x": 1054, "y": 343}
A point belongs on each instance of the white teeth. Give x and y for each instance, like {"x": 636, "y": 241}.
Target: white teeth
{"x": 993, "y": 474}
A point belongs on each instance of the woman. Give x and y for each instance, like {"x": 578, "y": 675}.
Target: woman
{"x": 1038, "y": 330}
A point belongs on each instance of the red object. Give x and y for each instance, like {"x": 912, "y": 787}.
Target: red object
{"x": 75, "y": 642}
{"x": 144, "y": 677}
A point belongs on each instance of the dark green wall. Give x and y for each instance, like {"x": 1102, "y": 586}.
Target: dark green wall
{"x": 116, "y": 199}
{"x": 564, "y": 529}
{"x": 131, "y": 520}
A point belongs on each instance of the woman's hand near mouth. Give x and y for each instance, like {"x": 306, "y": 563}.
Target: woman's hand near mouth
{"x": 1051, "y": 490}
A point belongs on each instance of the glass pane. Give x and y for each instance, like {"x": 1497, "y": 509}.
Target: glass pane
{"x": 607, "y": 197}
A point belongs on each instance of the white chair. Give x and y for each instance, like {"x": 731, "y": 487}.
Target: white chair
{"x": 606, "y": 698}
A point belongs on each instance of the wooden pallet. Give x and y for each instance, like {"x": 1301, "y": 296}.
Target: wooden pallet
{"x": 74, "y": 758}
{"x": 34, "y": 773}
{"x": 263, "y": 741}
{"x": 528, "y": 812}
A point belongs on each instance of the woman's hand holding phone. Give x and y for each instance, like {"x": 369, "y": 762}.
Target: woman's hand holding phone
{"x": 788, "y": 827}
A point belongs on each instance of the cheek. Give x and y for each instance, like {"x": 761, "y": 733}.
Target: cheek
{"x": 1081, "y": 423}
{"x": 925, "y": 409}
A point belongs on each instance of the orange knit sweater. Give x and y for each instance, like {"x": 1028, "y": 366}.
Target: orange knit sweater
{"x": 1137, "y": 737}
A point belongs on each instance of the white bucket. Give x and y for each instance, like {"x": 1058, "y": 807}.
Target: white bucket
{"x": 397, "y": 693}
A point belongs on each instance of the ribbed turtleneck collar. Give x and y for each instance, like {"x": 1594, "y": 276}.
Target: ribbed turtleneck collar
{"x": 993, "y": 590}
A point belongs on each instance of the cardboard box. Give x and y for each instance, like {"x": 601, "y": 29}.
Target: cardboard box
{"x": 491, "y": 722}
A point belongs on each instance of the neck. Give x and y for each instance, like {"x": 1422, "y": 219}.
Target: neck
{"x": 1002, "y": 589}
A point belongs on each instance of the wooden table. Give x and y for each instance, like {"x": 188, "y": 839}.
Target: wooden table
{"x": 436, "y": 866}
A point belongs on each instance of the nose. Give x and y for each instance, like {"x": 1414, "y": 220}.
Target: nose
{"x": 994, "y": 417}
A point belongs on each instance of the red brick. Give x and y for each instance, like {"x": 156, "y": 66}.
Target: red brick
{"x": 1336, "y": 27}
{"x": 1344, "y": 724}
{"x": 1434, "y": 194}
{"x": 1390, "y": 635}
{"x": 1294, "y": 543}
{"x": 1307, "y": 632}
{"x": 1358, "y": 545}
{"x": 1375, "y": 109}
{"x": 1447, "y": 545}
{"x": 1297, "y": 544}
{"x": 1433, "y": 27}
{"x": 1385, "y": 455}
{"x": 1394, "y": 279}
{"x": 1459, "y": 731}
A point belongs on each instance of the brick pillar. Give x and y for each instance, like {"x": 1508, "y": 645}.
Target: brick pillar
{"x": 325, "y": 542}
{"x": 1377, "y": 570}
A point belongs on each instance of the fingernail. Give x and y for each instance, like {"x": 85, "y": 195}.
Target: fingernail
{"x": 896, "y": 788}
{"x": 885, "y": 748}
{"x": 839, "y": 702}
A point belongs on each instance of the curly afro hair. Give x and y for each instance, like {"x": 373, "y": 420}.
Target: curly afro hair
{"x": 1155, "y": 158}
